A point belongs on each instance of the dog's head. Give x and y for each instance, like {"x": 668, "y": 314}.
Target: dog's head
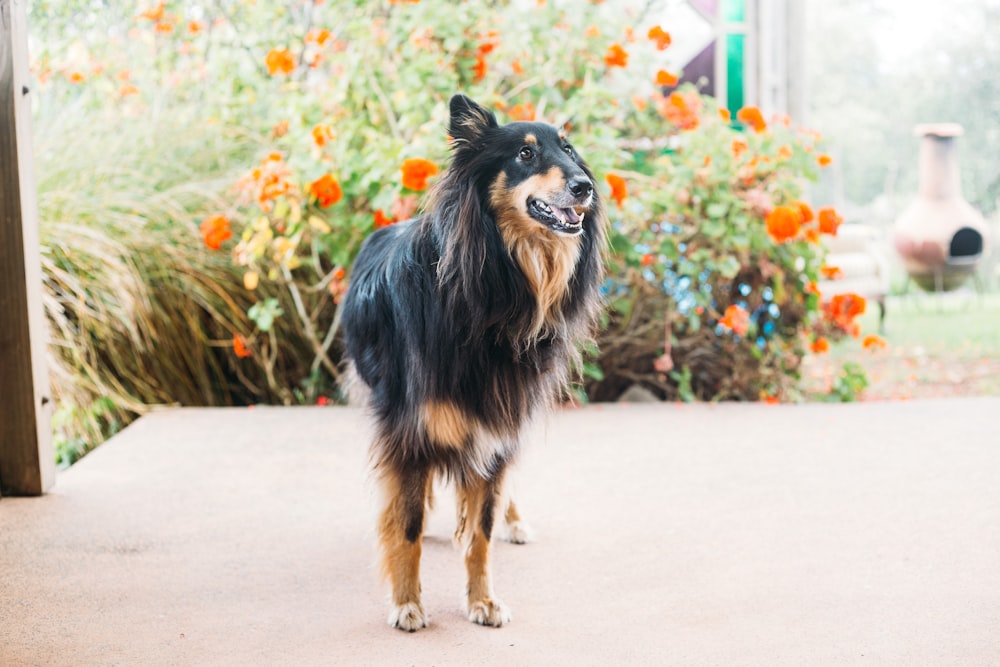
{"x": 535, "y": 180}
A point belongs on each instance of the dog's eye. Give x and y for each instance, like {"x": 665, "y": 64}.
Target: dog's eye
{"x": 568, "y": 150}
{"x": 526, "y": 153}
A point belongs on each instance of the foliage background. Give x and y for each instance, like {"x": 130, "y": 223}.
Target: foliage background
{"x": 209, "y": 170}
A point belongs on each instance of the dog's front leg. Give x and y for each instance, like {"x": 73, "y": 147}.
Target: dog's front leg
{"x": 400, "y": 529}
{"x": 478, "y": 501}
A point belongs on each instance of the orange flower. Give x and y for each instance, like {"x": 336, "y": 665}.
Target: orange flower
{"x": 618, "y": 190}
{"x": 268, "y": 181}
{"x": 739, "y": 145}
{"x": 831, "y": 272}
{"x": 679, "y": 110}
{"x": 824, "y": 160}
{"x": 873, "y": 342}
{"x": 647, "y": 259}
{"x": 665, "y": 78}
{"x": 592, "y": 31}
{"x": 811, "y": 288}
{"x": 820, "y": 345}
{"x": 660, "y": 36}
{"x": 280, "y": 129}
{"x": 280, "y": 61}
{"x": 128, "y": 89}
{"x": 76, "y": 77}
{"x": 479, "y": 69}
{"x": 725, "y": 116}
{"x": 164, "y": 28}
{"x": 516, "y": 67}
{"x": 321, "y": 134}
{"x": 616, "y": 56}
{"x": 488, "y": 41}
{"x": 195, "y": 27}
{"x": 382, "y": 220}
{"x": 416, "y": 171}
{"x": 751, "y": 116}
{"x": 736, "y": 319}
{"x": 524, "y": 111}
{"x": 318, "y": 36}
{"x": 240, "y": 347}
{"x": 829, "y": 221}
{"x": 154, "y": 14}
{"x": 783, "y": 223}
{"x": 214, "y": 230}
{"x": 843, "y": 308}
{"x": 804, "y": 210}
{"x": 327, "y": 190}
{"x": 785, "y": 153}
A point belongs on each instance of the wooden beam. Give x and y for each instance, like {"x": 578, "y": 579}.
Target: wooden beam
{"x": 27, "y": 464}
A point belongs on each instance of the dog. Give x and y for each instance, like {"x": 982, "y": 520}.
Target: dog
{"x": 463, "y": 323}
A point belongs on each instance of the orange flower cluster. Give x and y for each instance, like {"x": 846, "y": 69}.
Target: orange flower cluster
{"x": 679, "y": 110}
{"x": 842, "y": 309}
{"x": 268, "y": 181}
{"x": 660, "y": 36}
{"x": 326, "y": 190}
{"x": 214, "y": 230}
{"x": 416, "y": 171}
{"x": 751, "y": 116}
{"x": 831, "y": 272}
{"x": 736, "y": 319}
{"x": 318, "y": 36}
{"x": 524, "y": 111}
{"x": 824, "y": 160}
{"x": 616, "y": 56}
{"x": 618, "y": 190}
{"x": 322, "y": 134}
{"x": 726, "y": 117}
{"x": 873, "y": 343}
{"x": 155, "y": 14}
{"x": 487, "y": 42}
{"x": 784, "y": 223}
{"x": 280, "y": 61}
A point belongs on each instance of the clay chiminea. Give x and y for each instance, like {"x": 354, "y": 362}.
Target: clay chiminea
{"x": 940, "y": 237}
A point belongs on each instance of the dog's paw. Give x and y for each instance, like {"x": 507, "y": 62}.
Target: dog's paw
{"x": 409, "y": 617}
{"x": 489, "y": 612}
{"x": 517, "y": 532}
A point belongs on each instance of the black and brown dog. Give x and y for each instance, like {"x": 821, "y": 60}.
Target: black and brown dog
{"x": 463, "y": 323}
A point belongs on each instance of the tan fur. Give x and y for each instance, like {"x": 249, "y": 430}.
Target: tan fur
{"x": 445, "y": 424}
{"x": 530, "y": 139}
{"x": 400, "y": 563}
{"x": 482, "y": 605}
{"x": 546, "y": 259}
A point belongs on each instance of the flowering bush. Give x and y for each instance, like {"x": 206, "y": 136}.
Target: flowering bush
{"x": 716, "y": 258}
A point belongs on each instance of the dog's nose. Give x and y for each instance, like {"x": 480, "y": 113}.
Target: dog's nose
{"x": 580, "y": 186}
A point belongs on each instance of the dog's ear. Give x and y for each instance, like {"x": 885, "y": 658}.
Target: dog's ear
{"x": 468, "y": 120}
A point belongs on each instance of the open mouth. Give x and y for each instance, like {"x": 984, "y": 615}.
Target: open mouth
{"x": 567, "y": 221}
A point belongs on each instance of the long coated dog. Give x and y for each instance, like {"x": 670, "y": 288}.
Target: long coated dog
{"x": 464, "y": 323}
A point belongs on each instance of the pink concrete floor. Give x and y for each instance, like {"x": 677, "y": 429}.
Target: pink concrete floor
{"x": 665, "y": 535}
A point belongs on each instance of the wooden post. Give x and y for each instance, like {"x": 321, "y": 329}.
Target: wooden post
{"x": 27, "y": 464}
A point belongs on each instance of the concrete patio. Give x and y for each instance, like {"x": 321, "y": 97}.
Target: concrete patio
{"x": 665, "y": 535}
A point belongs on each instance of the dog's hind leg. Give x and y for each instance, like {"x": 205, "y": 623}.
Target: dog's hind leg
{"x": 400, "y": 528}
{"x": 478, "y": 501}
{"x": 516, "y": 530}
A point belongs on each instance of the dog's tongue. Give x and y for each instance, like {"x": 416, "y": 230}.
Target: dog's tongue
{"x": 567, "y": 216}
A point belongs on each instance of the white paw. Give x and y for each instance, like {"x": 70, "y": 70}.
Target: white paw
{"x": 489, "y": 612}
{"x": 409, "y": 617}
{"x": 517, "y": 532}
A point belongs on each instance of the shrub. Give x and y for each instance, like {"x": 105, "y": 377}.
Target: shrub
{"x": 220, "y": 165}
